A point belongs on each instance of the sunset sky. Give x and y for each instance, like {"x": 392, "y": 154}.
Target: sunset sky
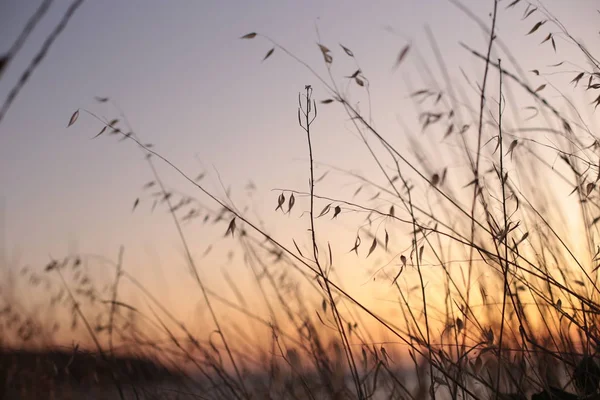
{"x": 204, "y": 99}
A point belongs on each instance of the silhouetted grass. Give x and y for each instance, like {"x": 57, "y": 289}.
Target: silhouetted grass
{"x": 493, "y": 261}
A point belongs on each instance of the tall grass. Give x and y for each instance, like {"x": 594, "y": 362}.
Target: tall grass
{"x": 493, "y": 262}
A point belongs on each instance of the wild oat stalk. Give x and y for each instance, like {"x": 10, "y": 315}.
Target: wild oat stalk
{"x": 310, "y": 114}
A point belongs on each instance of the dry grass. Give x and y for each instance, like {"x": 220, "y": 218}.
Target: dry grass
{"x": 494, "y": 263}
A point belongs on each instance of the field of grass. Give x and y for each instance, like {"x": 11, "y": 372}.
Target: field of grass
{"x": 484, "y": 223}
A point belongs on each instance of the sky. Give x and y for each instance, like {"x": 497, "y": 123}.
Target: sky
{"x": 207, "y": 102}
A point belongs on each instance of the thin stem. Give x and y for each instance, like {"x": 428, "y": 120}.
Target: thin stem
{"x": 340, "y": 326}
{"x": 189, "y": 258}
{"x": 504, "y": 266}
{"x": 26, "y": 75}
{"x": 90, "y": 331}
{"x": 113, "y": 305}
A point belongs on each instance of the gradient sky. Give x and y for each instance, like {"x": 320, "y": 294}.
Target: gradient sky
{"x": 204, "y": 99}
